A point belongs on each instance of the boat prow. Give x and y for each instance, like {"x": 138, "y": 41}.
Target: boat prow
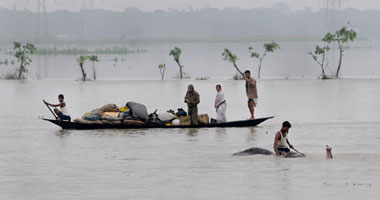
{"x": 81, "y": 126}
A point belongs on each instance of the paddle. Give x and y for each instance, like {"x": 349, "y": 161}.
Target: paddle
{"x": 297, "y": 151}
{"x": 50, "y": 110}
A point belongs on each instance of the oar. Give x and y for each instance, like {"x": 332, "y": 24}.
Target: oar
{"x": 297, "y": 151}
{"x": 51, "y": 111}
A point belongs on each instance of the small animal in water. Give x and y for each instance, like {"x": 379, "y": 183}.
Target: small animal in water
{"x": 328, "y": 152}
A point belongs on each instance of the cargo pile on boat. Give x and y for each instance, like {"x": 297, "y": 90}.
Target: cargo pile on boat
{"x": 136, "y": 114}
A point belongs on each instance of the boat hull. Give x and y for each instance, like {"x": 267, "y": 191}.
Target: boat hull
{"x": 81, "y": 126}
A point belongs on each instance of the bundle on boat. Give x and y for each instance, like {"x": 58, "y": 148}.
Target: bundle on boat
{"x": 136, "y": 114}
{"x": 132, "y": 114}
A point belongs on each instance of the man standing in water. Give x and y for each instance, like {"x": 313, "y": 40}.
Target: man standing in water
{"x": 62, "y": 114}
{"x": 192, "y": 99}
{"x": 251, "y": 90}
{"x": 281, "y": 142}
{"x": 220, "y": 105}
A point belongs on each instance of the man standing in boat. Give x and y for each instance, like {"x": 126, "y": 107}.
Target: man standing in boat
{"x": 62, "y": 114}
{"x": 192, "y": 99}
{"x": 251, "y": 90}
{"x": 281, "y": 141}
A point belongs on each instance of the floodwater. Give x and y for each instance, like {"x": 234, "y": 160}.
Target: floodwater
{"x": 205, "y": 60}
{"x": 40, "y": 161}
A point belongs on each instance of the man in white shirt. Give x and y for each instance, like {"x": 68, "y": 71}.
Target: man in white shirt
{"x": 220, "y": 105}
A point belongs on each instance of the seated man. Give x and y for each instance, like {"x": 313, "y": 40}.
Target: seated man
{"x": 281, "y": 141}
{"x": 63, "y": 114}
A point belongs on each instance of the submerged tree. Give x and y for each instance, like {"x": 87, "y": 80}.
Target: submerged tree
{"x": 93, "y": 59}
{"x": 341, "y": 36}
{"x": 22, "y": 53}
{"x": 321, "y": 51}
{"x": 162, "y": 69}
{"x": 268, "y": 47}
{"x": 81, "y": 60}
{"x": 228, "y": 55}
{"x": 176, "y": 53}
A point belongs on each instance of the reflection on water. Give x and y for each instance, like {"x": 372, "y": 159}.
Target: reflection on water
{"x": 40, "y": 161}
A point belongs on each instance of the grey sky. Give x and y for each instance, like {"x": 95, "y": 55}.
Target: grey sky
{"x": 120, "y": 5}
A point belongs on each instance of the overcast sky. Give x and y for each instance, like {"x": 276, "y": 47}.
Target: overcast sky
{"x": 148, "y": 5}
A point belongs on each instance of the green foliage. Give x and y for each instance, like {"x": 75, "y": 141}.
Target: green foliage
{"x": 76, "y": 51}
{"x": 319, "y": 56}
{"x": 93, "y": 58}
{"x": 227, "y": 55}
{"x": 271, "y": 47}
{"x": 328, "y": 38}
{"x": 203, "y": 78}
{"x": 22, "y": 53}
{"x": 268, "y": 47}
{"x": 341, "y": 36}
{"x": 176, "y": 53}
{"x": 82, "y": 59}
{"x": 162, "y": 68}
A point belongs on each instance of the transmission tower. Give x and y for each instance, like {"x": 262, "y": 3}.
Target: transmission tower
{"x": 37, "y": 24}
{"x": 41, "y": 17}
{"x": 333, "y": 7}
{"x": 82, "y": 21}
{"x": 45, "y": 20}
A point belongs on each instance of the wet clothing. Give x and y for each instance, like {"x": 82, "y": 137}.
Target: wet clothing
{"x": 221, "y": 111}
{"x": 251, "y": 89}
{"x": 194, "y": 100}
{"x": 64, "y": 110}
{"x": 282, "y": 141}
{"x": 63, "y": 116}
{"x": 64, "y": 113}
{"x": 280, "y": 150}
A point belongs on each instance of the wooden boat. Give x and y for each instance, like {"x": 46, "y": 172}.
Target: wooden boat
{"x": 81, "y": 126}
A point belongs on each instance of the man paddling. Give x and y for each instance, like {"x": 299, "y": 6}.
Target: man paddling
{"x": 62, "y": 114}
{"x": 281, "y": 142}
{"x": 192, "y": 99}
{"x": 251, "y": 90}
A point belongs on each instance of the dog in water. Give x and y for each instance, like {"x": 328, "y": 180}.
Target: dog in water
{"x": 328, "y": 152}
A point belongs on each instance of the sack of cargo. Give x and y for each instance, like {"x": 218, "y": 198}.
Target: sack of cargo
{"x": 176, "y": 122}
{"x": 165, "y": 116}
{"x": 82, "y": 121}
{"x": 123, "y": 109}
{"x": 92, "y": 117}
{"x": 110, "y": 114}
{"x": 111, "y": 119}
{"x": 110, "y": 108}
{"x": 97, "y": 112}
{"x": 203, "y": 119}
{"x": 133, "y": 122}
{"x": 112, "y": 122}
{"x": 185, "y": 120}
{"x": 86, "y": 114}
{"x": 138, "y": 111}
{"x": 181, "y": 112}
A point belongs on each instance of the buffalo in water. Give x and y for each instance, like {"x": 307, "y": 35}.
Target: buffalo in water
{"x": 261, "y": 151}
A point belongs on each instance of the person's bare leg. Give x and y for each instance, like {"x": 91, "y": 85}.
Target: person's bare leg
{"x": 251, "y": 110}
{"x": 56, "y": 111}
